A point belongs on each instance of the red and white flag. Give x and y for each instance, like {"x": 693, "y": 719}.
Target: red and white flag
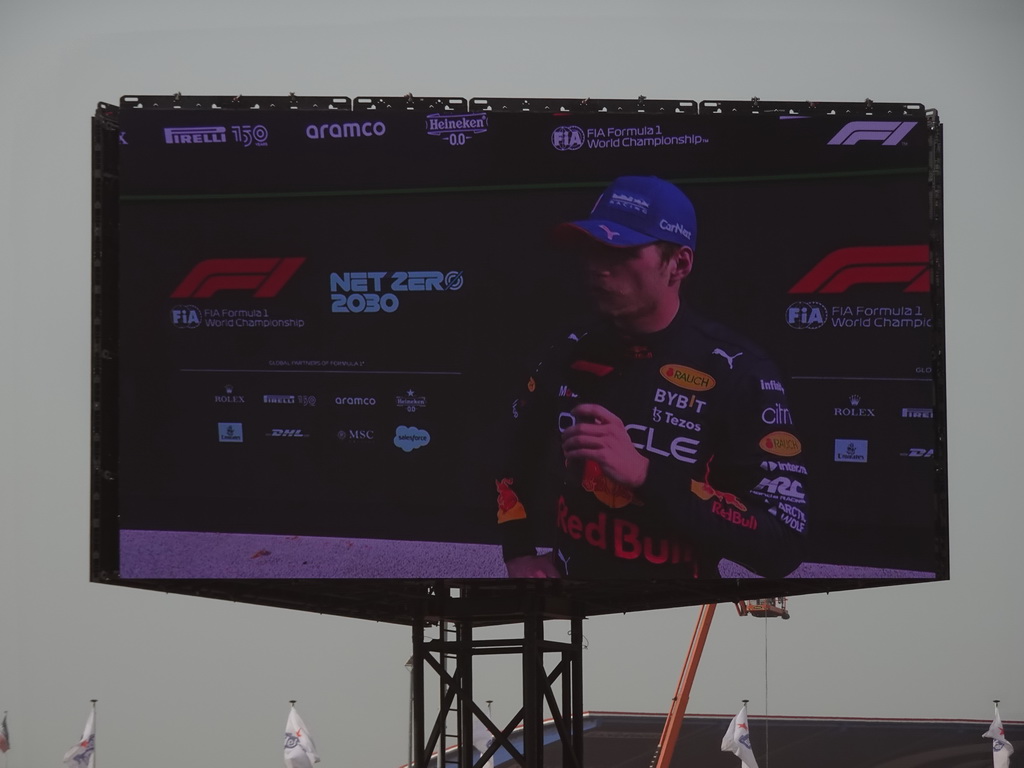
{"x": 5, "y": 737}
{"x": 1001, "y": 748}
{"x": 299, "y": 750}
{"x": 83, "y": 754}
{"x": 737, "y": 739}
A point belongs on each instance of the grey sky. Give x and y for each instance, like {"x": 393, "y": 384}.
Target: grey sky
{"x": 189, "y": 680}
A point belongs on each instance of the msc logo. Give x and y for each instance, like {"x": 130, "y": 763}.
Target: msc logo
{"x": 889, "y": 133}
{"x": 264, "y": 277}
{"x": 567, "y": 138}
{"x": 186, "y": 316}
{"x": 356, "y": 434}
{"x": 904, "y": 264}
{"x": 806, "y": 315}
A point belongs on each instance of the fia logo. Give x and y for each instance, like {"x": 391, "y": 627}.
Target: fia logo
{"x": 806, "y": 315}
{"x": 186, "y": 316}
{"x": 567, "y": 138}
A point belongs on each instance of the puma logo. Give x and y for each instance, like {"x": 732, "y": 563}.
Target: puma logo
{"x": 611, "y": 234}
{"x": 565, "y": 561}
{"x": 729, "y": 358}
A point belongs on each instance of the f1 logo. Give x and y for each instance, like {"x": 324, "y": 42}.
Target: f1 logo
{"x": 890, "y": 134}
{"x": 847, "y": 267}
{"x": 264, "y": 277}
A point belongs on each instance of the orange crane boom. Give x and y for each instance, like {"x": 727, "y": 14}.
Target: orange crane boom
{"x": 674, "y": 721}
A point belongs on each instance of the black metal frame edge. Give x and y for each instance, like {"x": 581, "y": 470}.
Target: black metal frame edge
{"x": 460, "y": 104}
{"x": 936, "y": 257}
{"x": 103, "y": 531}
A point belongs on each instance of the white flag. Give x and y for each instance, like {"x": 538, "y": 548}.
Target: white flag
{"x": 482, "y": 739}
{"x": 1001, "y": 748}
{"x": 299, "y": 750}
{"x": 83, "y": 753}
{"x": 737, "y": 739}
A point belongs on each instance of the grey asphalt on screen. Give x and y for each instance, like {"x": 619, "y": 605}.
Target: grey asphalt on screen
{"x": 191, "y": 555}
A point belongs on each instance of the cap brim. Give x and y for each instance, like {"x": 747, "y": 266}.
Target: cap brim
{"x": 602, "y": 231}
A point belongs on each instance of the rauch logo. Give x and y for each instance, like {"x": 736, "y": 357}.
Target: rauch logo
{"x": 687, "y": 378}
{"x": 781, "y": 444}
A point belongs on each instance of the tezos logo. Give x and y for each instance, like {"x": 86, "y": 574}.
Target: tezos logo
{"x": 855, "y": 451}
{"x": 411, "y": 438}
{"x": 186, "y": 316}
{"x": 806, "y": 315}
{"x": 568, "y": 138}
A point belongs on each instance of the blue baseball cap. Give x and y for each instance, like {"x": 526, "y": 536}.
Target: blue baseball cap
{"x": 638, "y": 210}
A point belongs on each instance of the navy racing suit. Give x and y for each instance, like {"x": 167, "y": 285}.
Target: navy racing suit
{"x": 708, "y": 409}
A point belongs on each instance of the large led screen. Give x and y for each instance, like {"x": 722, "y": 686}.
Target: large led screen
{"x": 450, "y": 344}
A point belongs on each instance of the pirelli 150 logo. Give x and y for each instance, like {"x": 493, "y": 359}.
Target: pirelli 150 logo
{"x": 246, "y": 135}
{"x": 358, "y": 292}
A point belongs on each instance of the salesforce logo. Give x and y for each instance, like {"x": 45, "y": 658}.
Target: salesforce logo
{"x": 411, "y": 438}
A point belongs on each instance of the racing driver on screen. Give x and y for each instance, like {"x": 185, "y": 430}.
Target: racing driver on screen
{"x": 676, "y": 441}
